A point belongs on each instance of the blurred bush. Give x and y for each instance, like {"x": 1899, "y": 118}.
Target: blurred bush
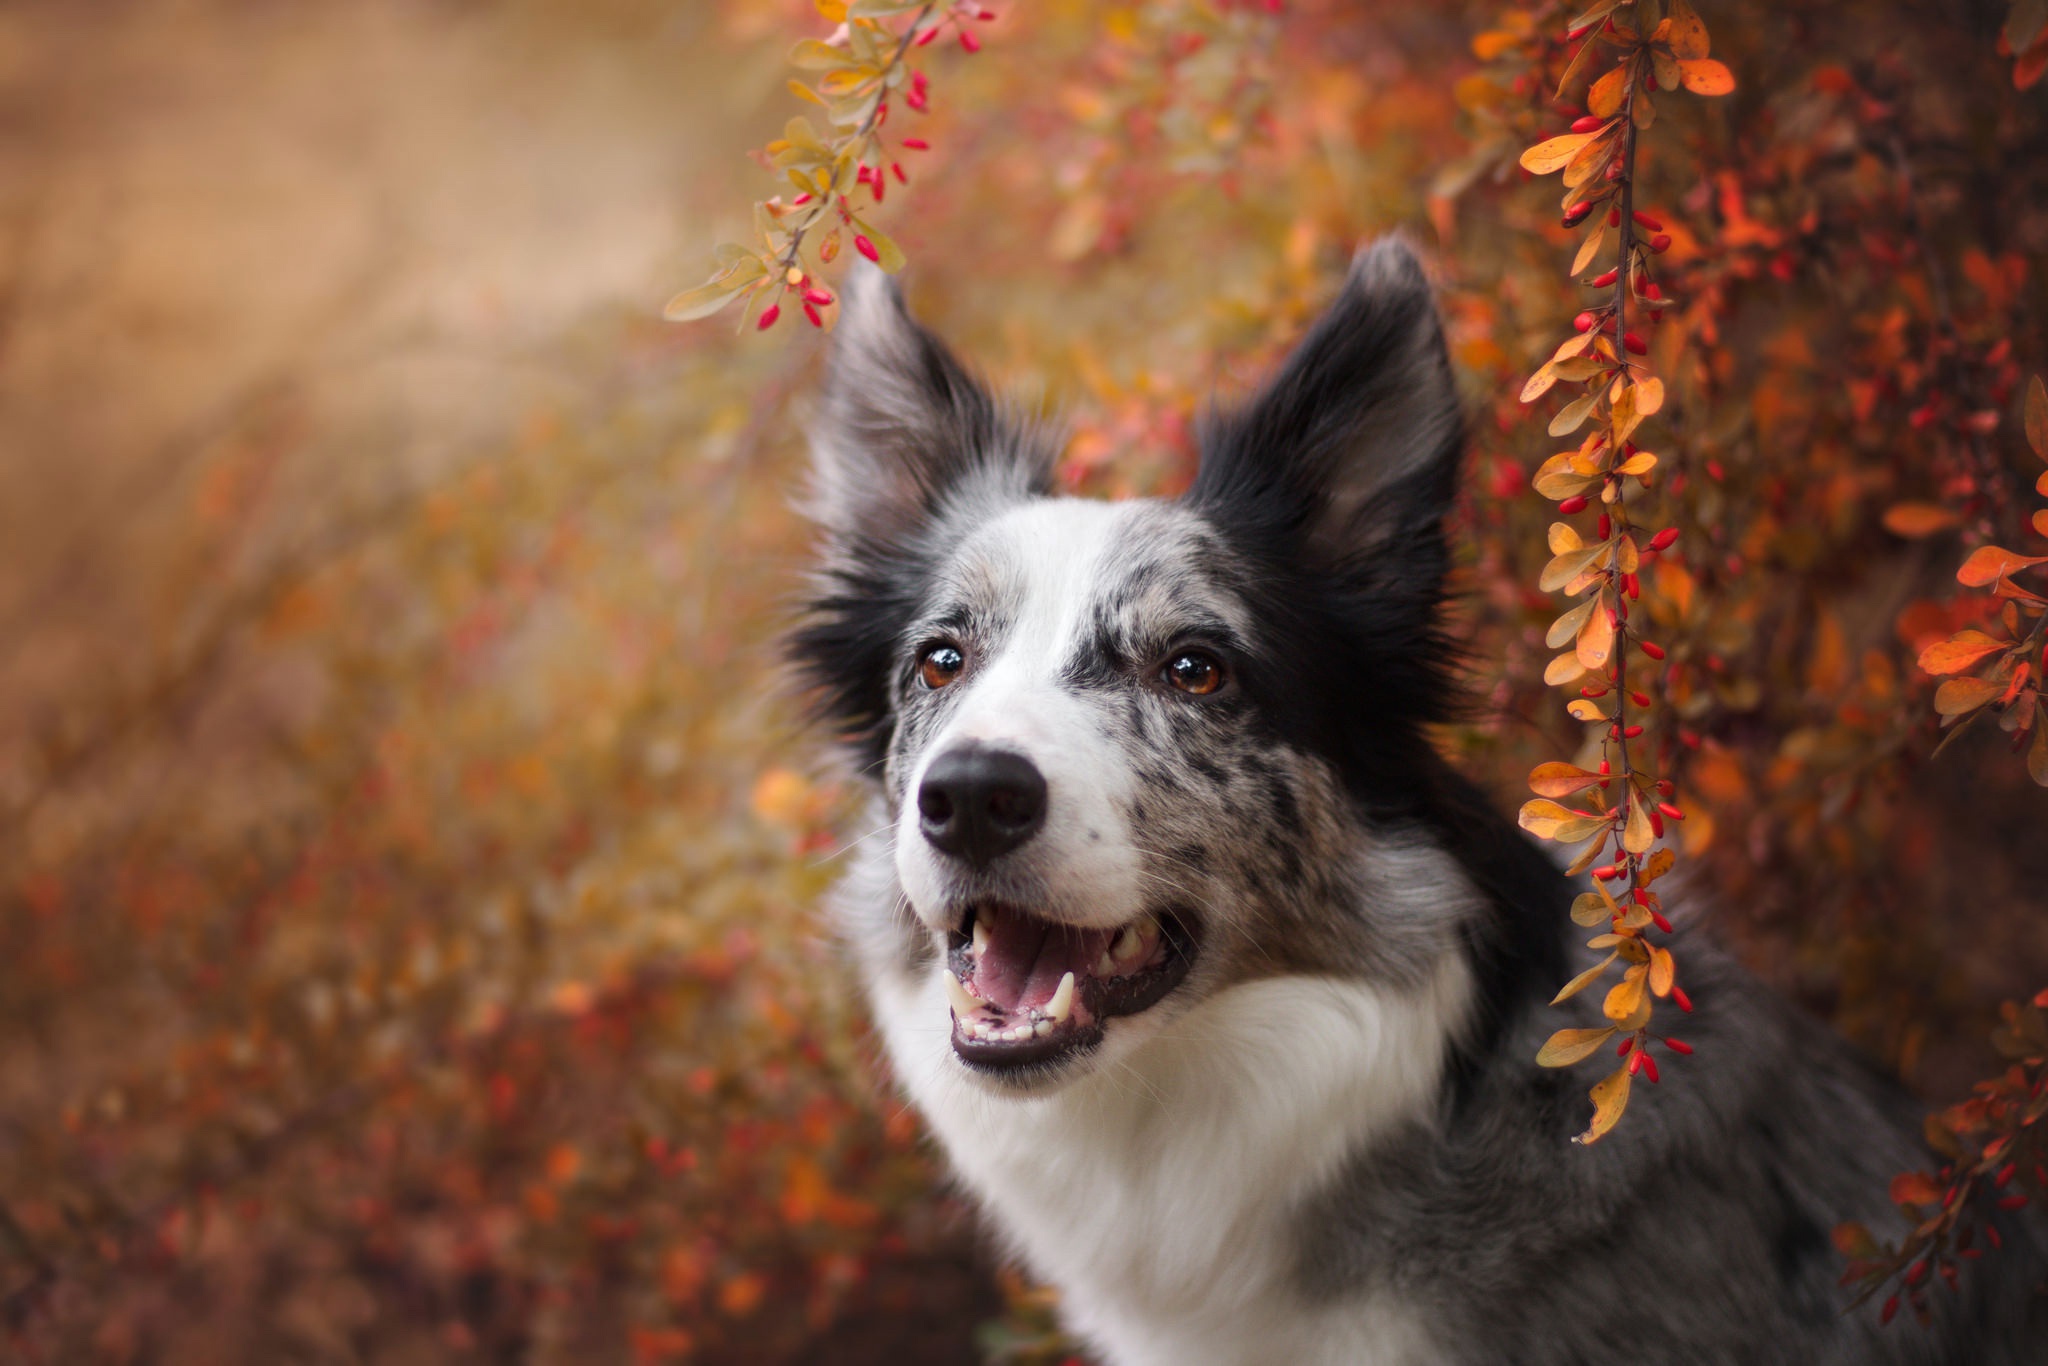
{"x": 411, "y": 855}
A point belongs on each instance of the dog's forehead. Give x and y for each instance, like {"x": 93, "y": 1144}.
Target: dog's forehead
{"x": 1062, "y": 567}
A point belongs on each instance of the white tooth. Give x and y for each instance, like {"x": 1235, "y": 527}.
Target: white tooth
{"x": 1105, "y": 966}
{"x": 980, "y": 934}
{"x": 1126, "y": 945}
{"x": 1062, "y": 1001}
{"x": 1019, "y": 1032}
{"x": 1042, "y": 1028}
{"x": 963, "y": 1004}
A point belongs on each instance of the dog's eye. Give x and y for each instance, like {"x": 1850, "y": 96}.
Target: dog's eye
{"x": 1192, "y": 671}
{"x": 940, "y": 665}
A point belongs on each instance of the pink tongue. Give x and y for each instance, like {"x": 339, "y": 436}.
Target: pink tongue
{"x": 1021, "y": 966}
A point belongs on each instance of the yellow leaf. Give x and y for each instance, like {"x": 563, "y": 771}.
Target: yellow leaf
{"x": 1562, "y": 670}
{"x": 1588, "y": 249}
{"x": 1491, "y": 44}
{"x": 1639, "y": 835}
{"x": 1548, "y": 820}
{"x": 1649, "y": 395}
{"x": 1592, "y": 908}
{"x": 1567, "y": 626}
{"x": 1707, "y": 77}
{"x": 1571, "y": 989}
{"x": 1568, "y": 1046}
{"x": 1552, "y": 154}
{"x": 1573, "y": 415}
{"x": 1539, "y": 383}
{"x": 1610, "y": 1098}
{"x": 1627, "y": 996}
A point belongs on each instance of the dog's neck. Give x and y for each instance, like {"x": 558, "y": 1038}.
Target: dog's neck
{"x": 1163, "y": 1196}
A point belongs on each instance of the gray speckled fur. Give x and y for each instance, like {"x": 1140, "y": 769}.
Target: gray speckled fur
{"x": 1698, "y": 1232}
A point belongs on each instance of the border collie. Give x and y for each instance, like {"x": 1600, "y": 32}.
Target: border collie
{"x": 1219, "y": 987}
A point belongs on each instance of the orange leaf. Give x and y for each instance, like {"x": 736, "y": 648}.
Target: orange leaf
{"x": 2041, "y": 517}
{"x": 1989, "y": 563}
{"x": 1561, "y": 780}
{"x": 1707, "y": 77}
{"x": 1915, "y": 520}
{"x": 1604, "y": 99}
{"x": 1915, "y": 1188}
{"x": 1960, "y": 695}
{"x": 1959, "y": 652}
{"x": 1685, "y": 31}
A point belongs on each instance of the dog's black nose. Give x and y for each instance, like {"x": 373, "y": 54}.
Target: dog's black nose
{"x": 978, "y": 804}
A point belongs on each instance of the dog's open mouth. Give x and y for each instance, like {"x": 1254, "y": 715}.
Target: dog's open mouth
{"x": 1026, "y": 990}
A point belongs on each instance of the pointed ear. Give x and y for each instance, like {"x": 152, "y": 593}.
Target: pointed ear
{"x": 904, "y": 426}
{"x": 1352, "y": 451}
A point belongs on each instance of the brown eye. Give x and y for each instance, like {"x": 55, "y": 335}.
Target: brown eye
{"x": 940, "y": 665}
{"x": 1191, "y": 671}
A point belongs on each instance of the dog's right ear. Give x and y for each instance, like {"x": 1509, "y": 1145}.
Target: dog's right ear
{"x": 904, "y": 426}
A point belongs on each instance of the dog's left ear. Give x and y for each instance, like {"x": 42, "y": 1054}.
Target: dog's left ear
{"x": 1350, "y": 455}
{"x": 904, "y": 427}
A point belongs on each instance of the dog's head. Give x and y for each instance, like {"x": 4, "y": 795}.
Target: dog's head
{"x": 1134, "y": 753}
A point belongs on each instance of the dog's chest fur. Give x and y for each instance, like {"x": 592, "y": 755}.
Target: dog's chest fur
{"x": 1163, "y": 1197}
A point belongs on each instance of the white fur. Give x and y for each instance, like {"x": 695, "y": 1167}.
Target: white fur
{"x": 1046, "y": 554}
{"x": 1156, "y": 1191}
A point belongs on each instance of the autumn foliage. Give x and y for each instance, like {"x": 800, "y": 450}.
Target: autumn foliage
{"x": 412, "y": 946}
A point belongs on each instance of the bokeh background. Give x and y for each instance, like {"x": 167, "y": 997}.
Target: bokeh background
{"x": 409, "y": 851}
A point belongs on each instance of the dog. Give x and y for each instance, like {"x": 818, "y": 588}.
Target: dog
{"x": 1220, "y": 989}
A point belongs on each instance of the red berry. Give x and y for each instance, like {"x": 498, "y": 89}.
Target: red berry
{"x": 811, "y": 312}
{"x": 1651, "y": 649}
{"x": 969, "y": 41}
{"x": 1652, "y": 224}
{"x": 1657, "y": 919}
{"x": 1678, "y": 1046}
{"x": 1584, "y": 322}
{"x": 1635, "y": 344}
{"x": 927, "y": 35}
{"x": 1684, "y": 1001}
{"x": 1614, "y": 218}
{"x": 1626, "y": 1045}
{"x": 1606, "y": 525}
{"x": 896, "y": 169}
{"x": 1891, "y": 1307}
{"x": 920, "y": 145}
{"x": 1576, "y": 214}
{"x": 818, "y": 297}
{"x": 768, "y": 317}
{"x": 1661, "y": 242}
{"x": 1649, "y": 80}
{"x": 1631, "y": 732}
{"x": 1668, "y": 809}
{"x": 1663, "y": 539}
{"x": 1649, "y": 1066}
{"x": 866, "y": 248}
{"x": 1575, "y": 503}
{"x": 1653, "y": 294}
{"x": 1605, "y": 278}
{"x": 1588, "y": 123}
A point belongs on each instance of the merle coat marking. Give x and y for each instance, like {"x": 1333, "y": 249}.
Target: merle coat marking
{"x": 1325, "y": 1139}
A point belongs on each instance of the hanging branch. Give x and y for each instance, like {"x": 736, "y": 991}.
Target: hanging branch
{"x": 1628, "y": 806}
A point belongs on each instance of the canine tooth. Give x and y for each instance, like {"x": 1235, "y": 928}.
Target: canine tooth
{"x": 1126, "y": 945}
{"x": 1105, "y": 966}
{"x": 980, "y": 935}
{"x": 1062, "y": 1001}
{"x": 964, "y": 1005}
{"x": 1042, "y": 1028}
